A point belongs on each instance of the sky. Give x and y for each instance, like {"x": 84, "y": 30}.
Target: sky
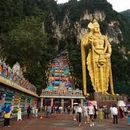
{"x": 118, "y": 5}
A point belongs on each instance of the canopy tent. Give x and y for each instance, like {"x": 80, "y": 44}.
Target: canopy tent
{"x": 121, "y": 103}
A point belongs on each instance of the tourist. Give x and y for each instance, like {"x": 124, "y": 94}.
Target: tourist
{"x": 114, "y": 111}
{"x": 75, "y": 112}
{"x": 106, "y": 111}
{"x": 33, "y": 111}
{"x": 19, "y": 114}
{"x": 125, "y": 111}
{"x": 7, "y": 119}
{"x": 68, "y": 109}
{"x": 95, "y": 112}
{"x": 28, "y": 111}
{"x": 129, "y": 116}
{"x": 91, "y": 114}
{"x": 86, "y": 115}
{"x": 48, "y": 111}
{"x": 79, "y": 112}
{"x": 7, "y": 115}
{"x": 120, "y": 113}
{"x": 36, "y": 112}
{"x": 100, "y": 115}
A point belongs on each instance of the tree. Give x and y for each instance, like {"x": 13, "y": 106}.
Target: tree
{"x": 29, "y": 45}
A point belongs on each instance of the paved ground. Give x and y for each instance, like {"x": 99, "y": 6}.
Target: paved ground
{"x": 63, "y": 122}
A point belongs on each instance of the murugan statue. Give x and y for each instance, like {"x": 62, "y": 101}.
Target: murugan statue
{"x": 98, "y": 60}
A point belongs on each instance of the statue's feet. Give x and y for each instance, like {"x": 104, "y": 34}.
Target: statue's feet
{"x": 105, "y": 93}
{"x": 86, "y": 94}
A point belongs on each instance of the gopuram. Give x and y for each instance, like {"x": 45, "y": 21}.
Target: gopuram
{"x": 60, "y": 90}
{"x": 98, "y": 62}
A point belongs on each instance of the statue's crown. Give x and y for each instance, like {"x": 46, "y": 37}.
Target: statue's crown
{"x": 93, "y": 24}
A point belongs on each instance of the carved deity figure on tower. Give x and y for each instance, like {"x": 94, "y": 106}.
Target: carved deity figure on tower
{"x": 98, "y": 60}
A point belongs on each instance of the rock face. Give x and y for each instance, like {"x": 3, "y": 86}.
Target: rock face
{"x": 61, "y": 30}
{"x": 114, "y": 32}
{"x": 71, "y": 30}
{"x": 99, "y": 15}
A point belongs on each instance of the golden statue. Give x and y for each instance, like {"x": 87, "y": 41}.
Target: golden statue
{"x": 98, "y": 60}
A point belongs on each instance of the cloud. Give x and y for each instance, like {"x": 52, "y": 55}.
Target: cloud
{"x": 120, "y": 5}
{"x": 61, "y": 1}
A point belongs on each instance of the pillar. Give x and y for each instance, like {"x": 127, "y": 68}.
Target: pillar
{"x": 62, "y": 103}
{"x": 82, "y": 102}
{"x": 52, "y": 102}
{"x": 72, "y": 103}
{"x": 41, "y": 105}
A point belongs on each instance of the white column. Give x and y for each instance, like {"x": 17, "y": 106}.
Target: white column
{"x": 51, "y": 102}
{"x": 41, "y": 105}
{"x": 62, "y": 103}
{"x": 82, "y": 102}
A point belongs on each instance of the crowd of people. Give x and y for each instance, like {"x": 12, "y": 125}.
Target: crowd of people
{"x": 15, "y": 76}
{"x": 89, "y": 114}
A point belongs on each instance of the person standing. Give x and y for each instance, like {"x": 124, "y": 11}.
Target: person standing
{"x": 79, "y": 112}
{"x": 100, "y": 115}
{"x": 36, "y": 112}
{"x": 120, "y": 112}
{"x": 91, "y": 114}
{"x": 28, "y": 111}
{"x": 95, "y": 112}
{"x": 75, "y": 112}
{"x": 128, "y": 116}
{"x": 19, "y": 114}
{"x": 86, "y": 115}
{"x": 7, "y": 116}
{"x": 114, "y": 111}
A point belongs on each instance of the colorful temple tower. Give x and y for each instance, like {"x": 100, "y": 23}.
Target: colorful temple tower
{"x": 61, "y": 88}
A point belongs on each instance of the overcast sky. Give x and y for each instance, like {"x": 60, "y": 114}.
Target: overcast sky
{"x": 118, "y": 5}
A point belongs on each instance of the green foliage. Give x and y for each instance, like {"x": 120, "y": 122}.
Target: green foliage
{"x": 27, "y": 39}
{"x": 75, "y": 64}
{"x": 29, "y": 45}
{"x": 122, "y": 87}
{"x": 10, "y": 12}
{"x": 23, "y": 38}
{"x": 126, "y": 14}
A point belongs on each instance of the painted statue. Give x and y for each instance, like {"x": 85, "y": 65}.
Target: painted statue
{"x": 98, "y": 59}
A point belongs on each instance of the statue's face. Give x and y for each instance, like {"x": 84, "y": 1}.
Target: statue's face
{"x": 96, "y": 29}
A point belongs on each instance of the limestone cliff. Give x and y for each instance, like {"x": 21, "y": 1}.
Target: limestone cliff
{"x": 74, "y": 22}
